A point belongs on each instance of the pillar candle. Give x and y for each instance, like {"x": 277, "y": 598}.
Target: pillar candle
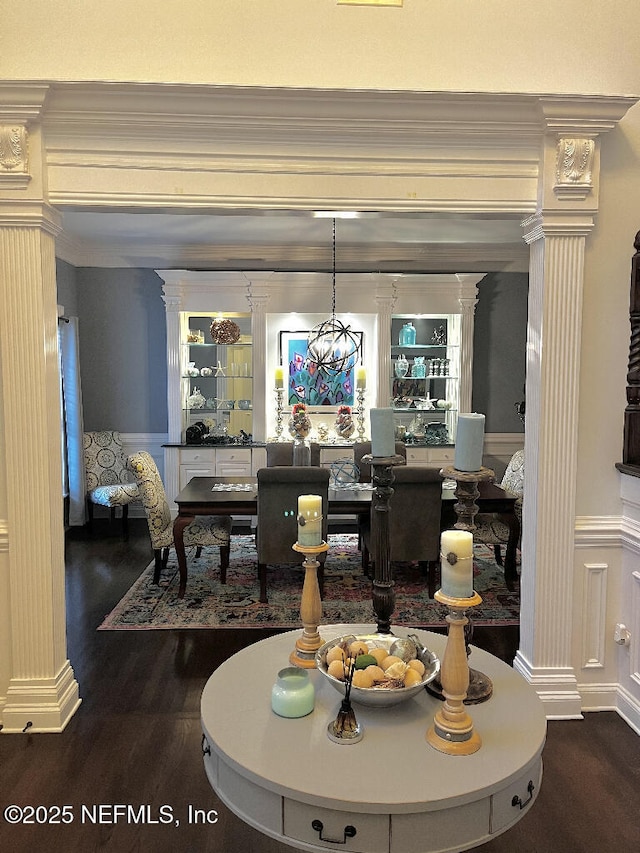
{"x": 361, "y": 378}
{"x": 457, "y": 575}
{"x": 279, "y": 377}
{"x": 310, "y": 514}
{"x": 383, "y": 441}
{"x": 469, "y": 442}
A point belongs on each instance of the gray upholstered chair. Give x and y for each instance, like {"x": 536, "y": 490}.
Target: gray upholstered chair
{"x": 362, "y": 448}
{"x": 414, "y": 521}
{"x": 203, "y": 530}
{"x": 281, "y": 453}
{"x": 277, "y": 529}
{"x": 108, "y": 481}
{"x": 494, "y": 529}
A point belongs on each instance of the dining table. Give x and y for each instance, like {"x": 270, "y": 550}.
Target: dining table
{"x": 238, "y": 496}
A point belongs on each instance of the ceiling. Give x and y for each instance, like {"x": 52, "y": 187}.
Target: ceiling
{"x": 292, "y": 240}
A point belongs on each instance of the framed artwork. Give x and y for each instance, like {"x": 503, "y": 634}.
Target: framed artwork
{"x": 305, "y": 382}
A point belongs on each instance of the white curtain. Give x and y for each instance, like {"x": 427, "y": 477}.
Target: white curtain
{"x": 74, "y": 423}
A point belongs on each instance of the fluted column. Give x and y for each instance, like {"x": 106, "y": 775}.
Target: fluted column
{"x": 258, "y": 300}
{"x": 555, "y": 307}
{"x": 42, "y": 693}
{"x": 385, "y": 300}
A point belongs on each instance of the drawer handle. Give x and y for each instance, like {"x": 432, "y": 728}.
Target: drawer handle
{"x": 516, "y": 801}
{"x": 318, "y": 826}
{"x": 206, "y": 750}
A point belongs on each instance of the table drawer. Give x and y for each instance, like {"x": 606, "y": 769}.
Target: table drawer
{"x": 507, "y": 805}
{"x": 331, "y": 829}
{"x": 198, "y": 454}
{"x": 446, "y": 829}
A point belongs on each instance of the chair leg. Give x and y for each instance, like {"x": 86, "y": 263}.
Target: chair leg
{"x": 90, "y": 515}
{"x": 165, "y": 558}
{"x": 429, "y": 567}
{"x": 365, "y": 560}
{"x": 225, "y": 551}
{"x": 125, "y": 521}
{"x": 157, "y": 554}
{"x": 498, "y": 554}
{"x": 262, "y": 578}
{"x": 198, "y": 551}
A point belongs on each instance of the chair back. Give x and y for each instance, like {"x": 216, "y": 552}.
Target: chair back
{"x": 104, "y": 460}
{"x": 281, "y": 453}
{"x": 153, "y": 497}
{"x": 278, "y": 491}
{"x": 414, "y": 514}
{"x": 513, "y": 480}
{"x": 363, "y": 448}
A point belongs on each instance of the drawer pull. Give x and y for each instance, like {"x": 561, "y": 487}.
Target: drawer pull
{"x": 206, "y": 749}
{"x": 516, "y": 801}
{"x": 318, "y": 826}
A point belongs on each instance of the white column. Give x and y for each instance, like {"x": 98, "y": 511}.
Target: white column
{"x": 42, "y": 693}
{"x": 467, "y": 324}
{"x": 385, "y": 300}
{"x": 555, "y": 308}
{"x": 263, "y": 390}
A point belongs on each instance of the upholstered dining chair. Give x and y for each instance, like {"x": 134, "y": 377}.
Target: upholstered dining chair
{"x": 108, "y": 481}
{"x": 202, "y": 531}
{"x": 277, "y": 528}
{"x": 493, "y": 528}
{"x": 281, "y": 453}
{"x": 362, "y": 448}
{"x": 414, "y": 522}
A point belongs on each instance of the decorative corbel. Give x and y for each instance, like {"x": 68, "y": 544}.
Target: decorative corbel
{"x": 14, "y": 156}
{"x": 574, "y": 167}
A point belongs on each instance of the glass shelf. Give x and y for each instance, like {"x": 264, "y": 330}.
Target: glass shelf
{"x": 399, "y": 348}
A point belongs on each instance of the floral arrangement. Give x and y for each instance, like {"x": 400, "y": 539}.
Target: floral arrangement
{"x": 344, "y": 422}
{"x": 299, "y": 422}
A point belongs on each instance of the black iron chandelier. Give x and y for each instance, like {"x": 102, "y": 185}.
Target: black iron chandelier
{"x": 331, "y": 345}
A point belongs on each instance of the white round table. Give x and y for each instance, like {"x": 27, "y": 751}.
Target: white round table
{"x": 390, "y": 793}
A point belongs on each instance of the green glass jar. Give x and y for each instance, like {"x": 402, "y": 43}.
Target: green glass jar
{"x": 293, "y": 694}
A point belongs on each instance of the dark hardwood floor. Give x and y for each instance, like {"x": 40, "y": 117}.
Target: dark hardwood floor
{"x": 136, "y": 740}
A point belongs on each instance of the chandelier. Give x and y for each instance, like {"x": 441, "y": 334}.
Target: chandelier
{"x": 331, "y": 345}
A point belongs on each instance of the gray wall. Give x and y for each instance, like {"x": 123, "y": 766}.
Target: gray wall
{"x": 123, "y": 347}
{"x": 499, "y": 349}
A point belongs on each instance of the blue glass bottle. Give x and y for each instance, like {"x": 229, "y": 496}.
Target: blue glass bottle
{"x": 407, "y": 335}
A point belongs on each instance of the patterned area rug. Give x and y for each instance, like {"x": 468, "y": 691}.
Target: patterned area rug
{"x": 209, "y": 604}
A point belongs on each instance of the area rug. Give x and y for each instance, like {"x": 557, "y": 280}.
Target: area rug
{"x": 209, "y": 604}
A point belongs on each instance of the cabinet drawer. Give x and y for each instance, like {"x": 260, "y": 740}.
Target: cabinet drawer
{"x": 302, "y": 823}
{"x": 206, "y": 455}
{"x": 417, "y": 455}
{"x": 443, "y": 455}
{"x": 507, "y": 805}
{"x": 333, "y": 454}
{"x": 234, "y": 454}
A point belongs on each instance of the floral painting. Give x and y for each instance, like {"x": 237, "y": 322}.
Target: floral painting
{"x": 305, "y": 382}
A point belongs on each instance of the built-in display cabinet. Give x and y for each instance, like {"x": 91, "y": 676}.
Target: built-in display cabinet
{"x": 216, "y": 379}
{"x": 425, "y": 376}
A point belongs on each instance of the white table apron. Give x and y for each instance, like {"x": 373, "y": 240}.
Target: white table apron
{"x": 285, "y": 777}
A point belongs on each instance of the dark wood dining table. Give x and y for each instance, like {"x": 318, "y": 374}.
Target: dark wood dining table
{"x": 207, "y": 496}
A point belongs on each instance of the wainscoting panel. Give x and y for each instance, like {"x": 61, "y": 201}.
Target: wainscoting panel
{"x": 595, "y": 611}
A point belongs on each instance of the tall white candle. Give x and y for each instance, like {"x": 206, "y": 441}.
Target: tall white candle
{"x": 456, "y": 563}
{"x": 310, "y": 520}
{"x": 361, "y": 378}
{"x": 469, "y": 442}
{"x": 279, "y": 377}
{"x": 382, "y": 432}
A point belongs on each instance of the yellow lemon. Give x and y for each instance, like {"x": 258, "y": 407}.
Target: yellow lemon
{"x": 362, "y": 678}
{"x": 336, "y": 669}
{"x": 376, "y": 672}
{"x": 358, "y": 647}
{"x": 335, "y": 653}
{"x": 389, "y": 661}
{"x": 411, "y": 677}
{"x": 418, "y": 666}
{"x": 379, "y": 654}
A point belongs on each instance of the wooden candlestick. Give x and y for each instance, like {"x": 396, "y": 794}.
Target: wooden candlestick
{"x": 310, "y": 608}
{"x": 452, "y": 731}
{"x": 383, "y": 594}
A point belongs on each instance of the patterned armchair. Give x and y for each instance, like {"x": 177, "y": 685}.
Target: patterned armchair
{"x": 108, "y": 481}
{"x": 202, "y": 531}
{"x": 493, "y": 529}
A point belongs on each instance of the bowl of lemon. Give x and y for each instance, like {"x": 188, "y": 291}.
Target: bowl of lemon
{"x": 387, "y": 670}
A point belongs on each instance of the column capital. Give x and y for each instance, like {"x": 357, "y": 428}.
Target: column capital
{"x": 29, "y": 213}
{"x": 557, "y": 224}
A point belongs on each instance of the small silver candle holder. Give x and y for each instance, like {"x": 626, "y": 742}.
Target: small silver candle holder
{"x": 360, "y": 412}
{"x": 279, "y": 408}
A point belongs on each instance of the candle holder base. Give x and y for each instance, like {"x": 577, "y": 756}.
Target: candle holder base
{"x": 304, "y": 653}
{"x": 452, "y": 731}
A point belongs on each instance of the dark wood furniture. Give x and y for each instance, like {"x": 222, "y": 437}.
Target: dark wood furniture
{"x": 198, "y": 498}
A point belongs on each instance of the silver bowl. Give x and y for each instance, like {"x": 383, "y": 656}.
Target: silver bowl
{"x": 378, "y": 697}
